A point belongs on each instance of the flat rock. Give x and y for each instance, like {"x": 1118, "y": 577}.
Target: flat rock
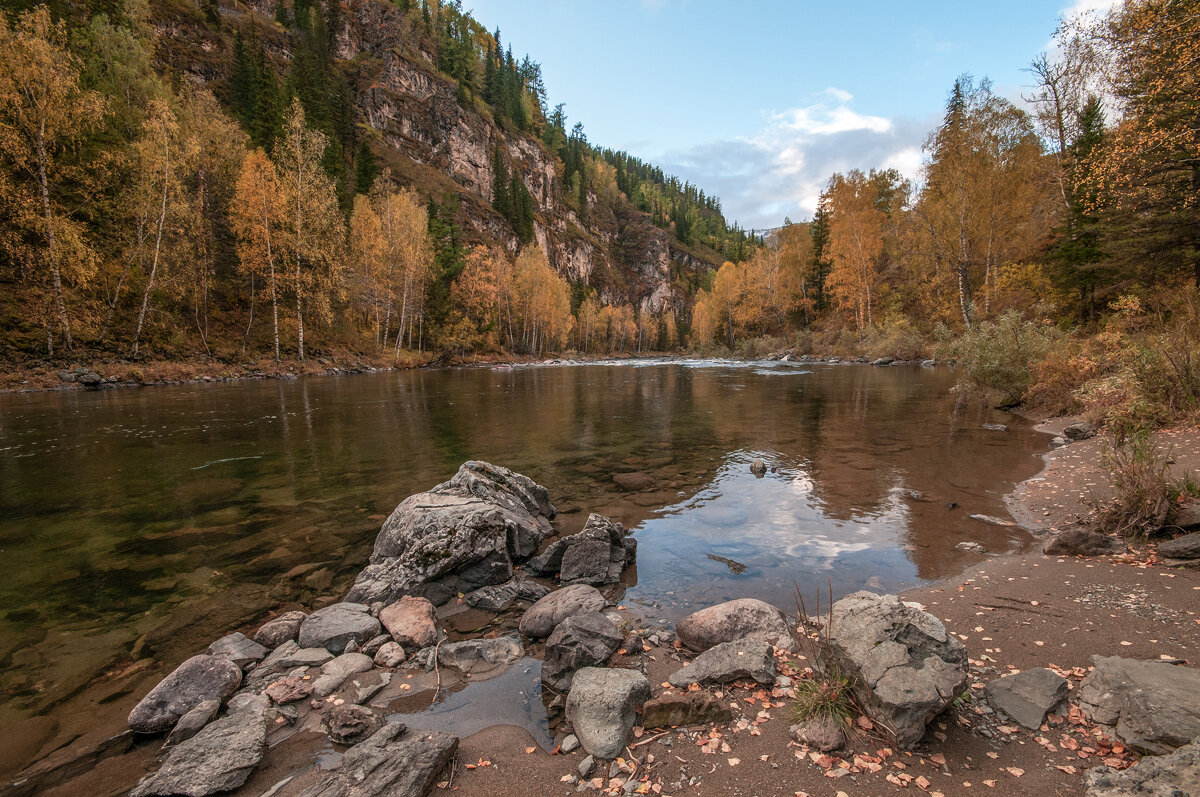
{"x": 464, "y": 534}
{"x": 412, "y": 622}
{"x": 336, "y": 626}
{"x": 1080, "y": 542}
{"x": 193, "y": 722}
{"x": 1152, "y": 706}
{"x": 633, "y": 481}
{"x": 390, "y": 654}
{"x": 1185, "y": 547}
{"x": 300, "y": 657}
{"x": 335, "y": 672}
{"x": 1176, "y": 774}
{"x": 743, "y": 659}
{"x": 238, "y": 649}
{"x": 991, "y": 520}
{"x": 905, "y": 666}
{"x": 823, "y": 733}
{"x": 745, "y": 618}
{"x": 585, "y": 640}
{"x": 392, "y": 762}
{"x": 218, "y": 758}
{"x": 198, "y": 679}
{"x": 500, "y": 597}
{"x": 541, "y": 618}
{"x": 687, "y": 708}
{"x": 283, "y": 628}
{"x": 350, "y": 724}
{"x": 1028, "y": 695}
{"x": 475, "y": 656}
{"x": 289, "y": 689}
{"x": 602, "y": 708}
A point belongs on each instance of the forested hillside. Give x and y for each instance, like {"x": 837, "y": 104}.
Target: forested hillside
{"x": 238, "y": 180}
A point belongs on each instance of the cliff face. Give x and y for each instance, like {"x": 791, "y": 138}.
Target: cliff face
{"x": 412, "y": 118}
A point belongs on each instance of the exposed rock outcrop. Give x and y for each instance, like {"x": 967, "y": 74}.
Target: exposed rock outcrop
{"x": 392, "y": 762}
{"x": 218, "y": 758}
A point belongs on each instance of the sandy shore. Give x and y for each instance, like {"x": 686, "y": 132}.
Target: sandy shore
{"x": 1012, "y": 612}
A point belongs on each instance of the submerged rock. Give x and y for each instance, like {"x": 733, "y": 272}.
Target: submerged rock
{"x": 198, "y": 679}
{"x": 218, "y": 758}
{"x": 745, "y": 618}
{"x": 905, "y": 666}
{"x": 464, "y": 534}
{"x": 743, "y": 659}
{"x": 392, "y": 762}
{"x": 336, "y": 626}
{"x": 585, "y": 640}
{"x": 1152, "y": 706}
{"x": 602, "y": 708}
{"x": 541, "y": 618}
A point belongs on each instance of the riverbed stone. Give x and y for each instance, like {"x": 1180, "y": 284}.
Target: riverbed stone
{"x": 335, "y": 626}
{"x": 412, "y": 622}
{"x": 464, "y": 534}
{"x": 393, "y": 762}
{"x": 500, "y": 597}
{"x": 905, "y": 666}
{"x": 684, "y": 708}
{"x": 1028, "y": 696}
{"x": 542, "y": 617}
{"x": 301, "y": 657}
{"x": 350, "y": 724}
{"x": 1176, "y": 774}
{"x": 1080, "y": 542}
{"x": 480, "y": 656}
{"x": 745, "y": 618}
{"x": 198, "y": 679}
{"x": 335, "y": 672}
{"x": 743, "y": 659}
{"x": 585, "y": 640}
{"x": 283, "y": 628}
{"x": 1152, "y": 706}
{"x": 193, "y": 722}
{"x": 823, "y": 733}
{"x": 1080, "y": 430}
{"x": 602, "y": 708}
{"x": 237, "y": 648}
{"x": 1185, "y": 547}
{"x": 219, "y": 758}
{"x": 390, "y": 654}
{"x": 597, "y": 555}
{"x": 633, "y": 482}
{"x": 289, "y": 689}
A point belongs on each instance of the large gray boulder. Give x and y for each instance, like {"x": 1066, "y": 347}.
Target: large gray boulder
{"x": 1174, "y": 775}
{"x": 1028, "y": 696}
{"x": 602, "y": 708}
{"x": 1152, "y": 706}
{"x": 585, "y": 640}
{"x": 392, "y": 762}
{"x": 596, "y": 555}
{"x": 464, "y": 534}
{"x": 744, "y": 659}
{"x": 906, "y": 668}
{"x": 219, "y": 758}
{"x": 745, "y": 618}
{"x": 542, "y": 617}
{"x": 198, "y": 679}
{"x": 336, "y": 626}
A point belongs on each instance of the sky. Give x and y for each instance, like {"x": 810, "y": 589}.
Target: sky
{"x": 759, "y": 102}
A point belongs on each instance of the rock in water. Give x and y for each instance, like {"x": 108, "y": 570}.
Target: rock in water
{"x": 602, "y": 708}
{"x": 1028, "y": 695}
{"x": 585, "y": 640}
{"x": 198, "y": 679}
{"x": 238, "y": 649}
{"x": 350, "y": 724}
{"x": 1153, "y": 706}
{"x": 475, "y": 656}
{"x": 905, "y": 666}
{"x": 750, "y": 659}
{"x": 412, "y": 622}
{"x": 218, "y": 758}
{"x": 758, "y": 467}
{"x": 1173, "y": 775}
{"x": 687, "y": 708}
{"x": 542, "y": 617}
{"x": 745, "y": 618}
{"x": 336, "y": 626}
{"x": 283, "y": 628}
{"x": 392, "y": 762}
{"x": 461, "y": 535}
{"x": 1080, "y": 542}
{"x": 596, "y": 555}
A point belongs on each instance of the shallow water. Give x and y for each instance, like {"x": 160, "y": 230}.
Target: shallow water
{"x": 149, "y": 522}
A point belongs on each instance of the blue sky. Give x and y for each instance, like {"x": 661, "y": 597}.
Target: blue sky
{"x": 760, "y": 102}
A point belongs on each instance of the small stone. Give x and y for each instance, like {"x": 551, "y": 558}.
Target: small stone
{"x": 824, "y": 733}
{"x": 585, "y": 766}
{"x": 750, "y": 659}
{"x": 350, "y": 724}
{"x": 283, "y": 628}
{"x": 569, "y": 744}
{"x": 193, "y": 722}
{"x": 1028, "y": 696}
{"x": 390, "y": 655}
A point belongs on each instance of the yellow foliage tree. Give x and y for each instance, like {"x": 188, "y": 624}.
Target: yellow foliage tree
{"x": 257, "y": 215}
{"x": 855, "y": 244}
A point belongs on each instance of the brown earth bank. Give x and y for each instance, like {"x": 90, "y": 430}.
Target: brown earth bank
{"x": 1012, "y": 613}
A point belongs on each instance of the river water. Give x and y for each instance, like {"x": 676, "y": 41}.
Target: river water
{"x": 145, "y": 523}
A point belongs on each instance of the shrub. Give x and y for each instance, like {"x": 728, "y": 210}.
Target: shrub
{"x": 1146, "y": 495}
{"x": 997, "y": 358}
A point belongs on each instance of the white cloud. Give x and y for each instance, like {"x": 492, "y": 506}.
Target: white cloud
{"x": 1088, "y": 6}
{"x": 781, "y": 170}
